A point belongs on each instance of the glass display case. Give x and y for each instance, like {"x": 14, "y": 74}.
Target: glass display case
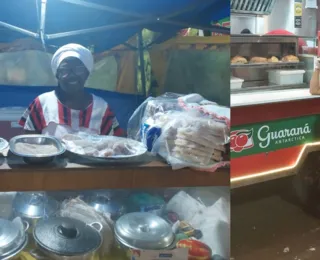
{"x": 255, "y": 57}
{"x": 116, "y": 224}
{"x": 274, "y": 116}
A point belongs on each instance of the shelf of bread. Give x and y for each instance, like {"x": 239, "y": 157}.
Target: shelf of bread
{"x": 263, "y": 62}
{"x": 268, "y": 65}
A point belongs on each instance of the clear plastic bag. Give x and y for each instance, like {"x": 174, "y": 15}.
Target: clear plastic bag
{"x": 188, "y": 131}
{"x": 78, "y": 209}
{"x": 102, "y": 146}
{"x": 212, "y": 220}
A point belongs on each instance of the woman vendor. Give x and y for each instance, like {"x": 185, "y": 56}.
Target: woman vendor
{"x": 69, "y": 108}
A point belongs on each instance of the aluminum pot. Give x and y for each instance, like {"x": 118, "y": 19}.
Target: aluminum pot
{"x": 65, "y": 238}
{"x": 32, "y": 207}
{"x": 13, "y": 238}
{"x": 143, "y": 231}
{"x": 102, "y": 203}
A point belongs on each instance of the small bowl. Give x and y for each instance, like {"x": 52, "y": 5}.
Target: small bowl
{"x": 36, "y": 139}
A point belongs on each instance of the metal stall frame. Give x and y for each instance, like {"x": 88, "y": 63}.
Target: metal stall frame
{"x": 138, "y": 19}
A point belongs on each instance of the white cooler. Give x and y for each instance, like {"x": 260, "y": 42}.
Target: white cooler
{"x": 286, "y": 77}
{"x": 236, "y": 83}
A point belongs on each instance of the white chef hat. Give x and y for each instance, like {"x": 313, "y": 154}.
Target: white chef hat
{"x": 72, "y": 50}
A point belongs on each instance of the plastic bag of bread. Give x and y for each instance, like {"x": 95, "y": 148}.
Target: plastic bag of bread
{"x": 195, "y": 102}
{"x": 155, "y": 112}
{"x": 151, "y": 113}
{"x": 186, "y": 130}
{"x": 191, "y": 140}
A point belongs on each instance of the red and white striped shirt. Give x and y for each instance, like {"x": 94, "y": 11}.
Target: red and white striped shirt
{"x": 46, "y": 110}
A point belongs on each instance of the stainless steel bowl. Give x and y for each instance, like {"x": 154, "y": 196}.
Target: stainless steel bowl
{"x": 39, "y": 158}
{"x": 13, "y": 239}
{"x": 33, "y": 206}
{"x": 102, "y": 203}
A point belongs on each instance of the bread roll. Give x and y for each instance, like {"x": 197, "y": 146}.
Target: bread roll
{"x": 239, "y": 60}
{"x": 273, "y": 59}
{"x": 258, "y": 60}
{"x": 290, "y": 58}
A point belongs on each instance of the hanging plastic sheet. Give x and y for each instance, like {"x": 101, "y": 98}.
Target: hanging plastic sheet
{"x": 193, "y": 65}
{"x": 25, "y": 73}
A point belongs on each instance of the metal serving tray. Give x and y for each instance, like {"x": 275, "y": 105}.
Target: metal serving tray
{"x": 279, "y": 64}
{"x": 36, "y": 139}
{"x": 139, "y": 148}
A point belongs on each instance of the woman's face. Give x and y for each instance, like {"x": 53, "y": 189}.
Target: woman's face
{"x": 72, "y": 75}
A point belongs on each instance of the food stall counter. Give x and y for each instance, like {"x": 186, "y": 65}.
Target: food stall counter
{"x": 268, "y": 97}
{"x": 64, "y": 174}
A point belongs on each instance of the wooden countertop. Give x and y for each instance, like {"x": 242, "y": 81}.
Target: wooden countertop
{"x": 66, "y": 174}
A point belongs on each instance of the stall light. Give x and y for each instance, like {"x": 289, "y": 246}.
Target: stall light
{"x": 271, "y": 172}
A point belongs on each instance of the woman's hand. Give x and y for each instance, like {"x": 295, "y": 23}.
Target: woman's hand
{"x": 314, "y": 83}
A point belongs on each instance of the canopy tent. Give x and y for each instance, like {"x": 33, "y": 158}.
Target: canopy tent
{"x": 101, "y": 24}
{"x": 106, "y": 23}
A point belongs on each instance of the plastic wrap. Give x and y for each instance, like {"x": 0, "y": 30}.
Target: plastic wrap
{"x": 24, "y": 63}
{"x": 78, "y": 209}
{"x": 6, "y": 199}
{"x": 26, "y": 68}
{"x": 9, "y": 249}
{"x": 213, "y": 220}
{"x": 102, "y": 146}
{"x": 188, "y": 131}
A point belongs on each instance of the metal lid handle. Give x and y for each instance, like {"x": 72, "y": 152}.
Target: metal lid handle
{"x": 97, "y": 226}
{"x": 67, "y": 231}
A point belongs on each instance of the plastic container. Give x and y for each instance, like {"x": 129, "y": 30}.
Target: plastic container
{"x": 236, "y": 83}
{"x": 311, "y": 4}
{"x": 286, "y": 77}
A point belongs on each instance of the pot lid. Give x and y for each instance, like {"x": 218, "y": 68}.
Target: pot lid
{"x": 142, "y": 230}
{"x": 66, "y": 236}
{"x": 104, "y": 204}
{"x": 12, "y": 237}
{"x": 34, "y": 205}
